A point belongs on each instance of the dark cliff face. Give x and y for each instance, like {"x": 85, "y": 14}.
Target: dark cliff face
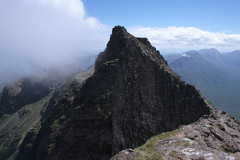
{"x": 20, "y": 93}
{"x": 148, "y": 98}
{"x": 132, "y": 96}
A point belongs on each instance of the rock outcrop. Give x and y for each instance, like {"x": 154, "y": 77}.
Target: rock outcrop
{"x": 132, "y": 96}
{"x": 21, "y": 93}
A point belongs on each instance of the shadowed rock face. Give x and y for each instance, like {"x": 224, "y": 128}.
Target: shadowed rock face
{"x": 132, "y": 96}
{"x": 148, "y": 98}
{"x": 20, "y": 93}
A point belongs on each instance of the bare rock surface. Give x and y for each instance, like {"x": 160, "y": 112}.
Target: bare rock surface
{"x": 216, "y": 137}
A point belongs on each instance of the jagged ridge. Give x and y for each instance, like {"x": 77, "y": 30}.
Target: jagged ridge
{"x": 132, "y": 96}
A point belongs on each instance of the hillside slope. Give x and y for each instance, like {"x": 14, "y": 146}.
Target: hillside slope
{"x": 25, "y": 101}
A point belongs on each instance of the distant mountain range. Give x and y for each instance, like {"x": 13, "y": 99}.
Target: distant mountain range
{"x": 216, "y": 75}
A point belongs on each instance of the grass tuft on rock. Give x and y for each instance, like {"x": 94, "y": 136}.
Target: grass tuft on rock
{"x": 148, "y": 151}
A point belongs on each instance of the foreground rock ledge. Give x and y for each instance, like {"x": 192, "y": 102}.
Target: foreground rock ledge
{"x": 214, "y": 137}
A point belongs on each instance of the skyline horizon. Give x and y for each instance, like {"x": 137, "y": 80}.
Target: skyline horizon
{"x": 36, "y": 33}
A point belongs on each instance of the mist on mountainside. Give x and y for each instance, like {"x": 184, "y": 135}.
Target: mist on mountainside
{"x": 38, "y": 35}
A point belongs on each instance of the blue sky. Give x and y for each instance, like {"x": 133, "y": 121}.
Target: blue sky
{"x": 40, "y": 33}
{"x": 210, "y": 15}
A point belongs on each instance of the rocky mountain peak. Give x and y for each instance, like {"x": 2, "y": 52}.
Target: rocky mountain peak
{"x": 132, "y": 96}
{"x": 119, "y": 31}
{"x": 123, "y": 45}
{"x": 210, "y": 51}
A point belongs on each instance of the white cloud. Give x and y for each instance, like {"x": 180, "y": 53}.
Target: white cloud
{"x": 185, "y": 55}
{"x": 178, "y": 39}
{"x": 73, "y": 7}
{"x": 36, "y": 33}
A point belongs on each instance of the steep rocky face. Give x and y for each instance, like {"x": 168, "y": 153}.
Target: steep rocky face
{"x": 21, "y": 93}
{"x": 132, "y": 96}
{"x": 148, "y": 98}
